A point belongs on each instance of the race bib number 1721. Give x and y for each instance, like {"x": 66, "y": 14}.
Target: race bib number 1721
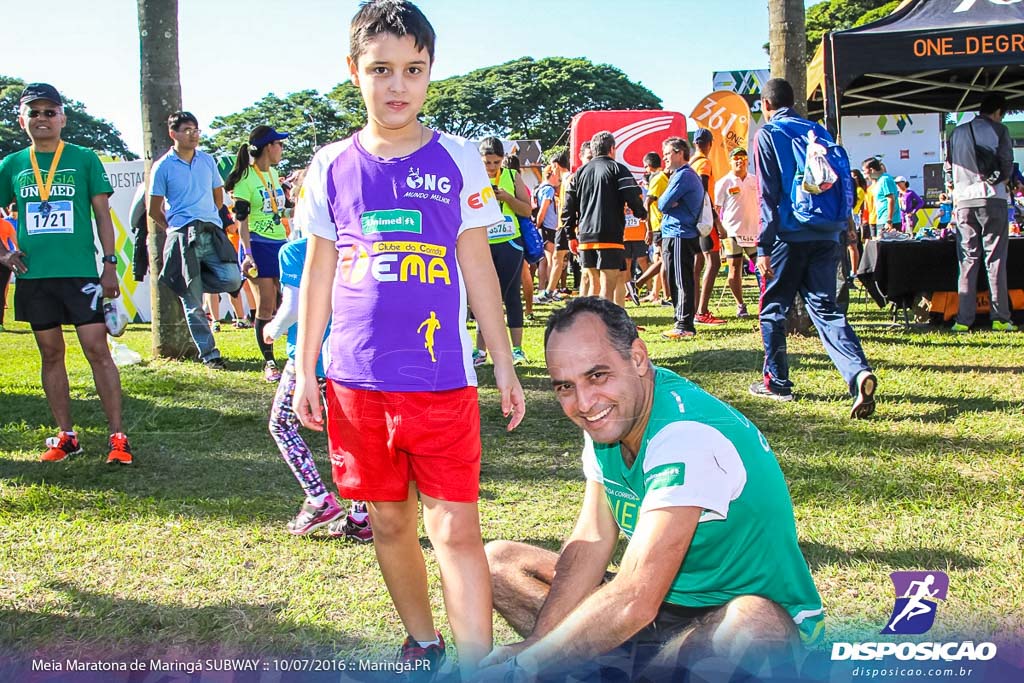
{"x": 59, "y": 218}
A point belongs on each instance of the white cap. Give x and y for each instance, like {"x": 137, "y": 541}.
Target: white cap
{"x": 901, "y": 179}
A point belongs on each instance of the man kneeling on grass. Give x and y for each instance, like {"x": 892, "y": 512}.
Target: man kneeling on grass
{"x": 712, "y": 567}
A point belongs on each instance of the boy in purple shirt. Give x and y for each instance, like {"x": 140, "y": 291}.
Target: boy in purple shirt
{"x": 397, "y": 216}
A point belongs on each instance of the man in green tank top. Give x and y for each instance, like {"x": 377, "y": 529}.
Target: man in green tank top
{"x": 712, "y": 567}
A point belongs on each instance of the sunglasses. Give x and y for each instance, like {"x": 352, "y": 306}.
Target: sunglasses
{"x": 36, "y": 113}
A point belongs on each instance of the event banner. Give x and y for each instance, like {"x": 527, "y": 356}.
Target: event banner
{"x": 636, "y": 133}
{"x": 727, "y": 116}
{"x": 126, "y": 177}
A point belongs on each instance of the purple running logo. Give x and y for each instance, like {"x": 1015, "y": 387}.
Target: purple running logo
{"x": 916, "y": 601}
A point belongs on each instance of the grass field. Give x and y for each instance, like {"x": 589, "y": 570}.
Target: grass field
{"x": 187, "y": 550}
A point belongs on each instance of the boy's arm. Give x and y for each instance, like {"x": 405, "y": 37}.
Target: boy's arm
{"x": 474, "y": 256}
{"x": 286, "y": 316}
{"x": 314, "y": 313}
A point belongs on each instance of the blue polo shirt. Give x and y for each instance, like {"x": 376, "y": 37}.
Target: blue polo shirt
{"x": 187, "y": 187}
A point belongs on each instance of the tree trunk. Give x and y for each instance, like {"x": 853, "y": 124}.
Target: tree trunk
{"x": 161, "y": 96}
{"x": 787, "y": 46}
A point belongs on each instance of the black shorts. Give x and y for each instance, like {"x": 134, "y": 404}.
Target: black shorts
{"x": 636, "y": 249}
{"x": 603, "y": 259}
{"x": 561, "y": 240}
{"x": 549, "y": 235}
{"x": 50, "y": 302}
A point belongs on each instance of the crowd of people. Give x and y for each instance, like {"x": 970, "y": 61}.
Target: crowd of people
{"x": 397, "y": 235}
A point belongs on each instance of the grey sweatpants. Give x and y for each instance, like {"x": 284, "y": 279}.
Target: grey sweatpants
{"x": 983, "y": 233}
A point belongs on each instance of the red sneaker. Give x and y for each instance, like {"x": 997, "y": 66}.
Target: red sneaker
{"x": 120, "y": 450}
{"x": 61, "y": 446}
{"x": 708, "y": 319}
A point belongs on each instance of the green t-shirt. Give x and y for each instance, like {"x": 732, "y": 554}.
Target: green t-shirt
{"x": 261, "y": 219}
{"x": 61, "y": 242}
{"x": 698, "y": 451}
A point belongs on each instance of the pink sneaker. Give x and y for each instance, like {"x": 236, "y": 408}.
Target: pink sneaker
{"x": 350, "y": 528}
{"x": 312, "y": 517}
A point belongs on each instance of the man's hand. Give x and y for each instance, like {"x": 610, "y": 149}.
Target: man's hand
{"x": 648, "y": 237}
{"x": 764, "y": 266}
{"x": 306, "y": 402}
{"x": 108, "y": 280}
{"x": 11, "y": 260}
{"x": 267, "y": 337}
{"x": 512, "y": 400}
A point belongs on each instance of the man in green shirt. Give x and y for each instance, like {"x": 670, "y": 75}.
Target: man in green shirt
{"x": 57, "y": 187}
{"x": 712, "y": 567}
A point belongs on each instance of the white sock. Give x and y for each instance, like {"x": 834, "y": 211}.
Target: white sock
{"x": 426, "y": 644}
{"x": 71, "y": 432}
{"x": 316, "y": 500}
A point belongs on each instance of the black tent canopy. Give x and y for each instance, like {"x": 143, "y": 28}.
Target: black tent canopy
{"x": 927, "y": 56}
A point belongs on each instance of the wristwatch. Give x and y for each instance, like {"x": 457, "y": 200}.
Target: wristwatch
{"x": 110, "y": 258}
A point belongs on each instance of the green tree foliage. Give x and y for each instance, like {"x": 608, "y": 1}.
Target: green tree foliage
{"x": 836, "y": 15}
{"x": 530, "y": 99}
{"x": 313, "y": 120}
{"x": 81, "y": 128}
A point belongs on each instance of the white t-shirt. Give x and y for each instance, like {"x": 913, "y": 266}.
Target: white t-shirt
{"x": 738, "y": 202}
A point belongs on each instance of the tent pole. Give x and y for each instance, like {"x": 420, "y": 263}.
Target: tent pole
{"x": 975, "y": 80}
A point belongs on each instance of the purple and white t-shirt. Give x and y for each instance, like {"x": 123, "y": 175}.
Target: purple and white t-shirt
{"x": 399, "y": 321}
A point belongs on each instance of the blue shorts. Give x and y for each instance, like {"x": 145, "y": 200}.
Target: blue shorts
{"x": 264, "y": 254}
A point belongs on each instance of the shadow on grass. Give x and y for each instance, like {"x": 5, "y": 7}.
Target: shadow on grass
{"x": 820, "y": 555}
{"x": 111, "y": 624}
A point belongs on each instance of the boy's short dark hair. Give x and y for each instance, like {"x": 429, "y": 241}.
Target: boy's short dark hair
{"x": 175, "y": 120}
{"x": 779, "y": 93}
{"x": 562, "y": 159}
{"x": 398, "y": 17}
{"x": 652, "y": 159}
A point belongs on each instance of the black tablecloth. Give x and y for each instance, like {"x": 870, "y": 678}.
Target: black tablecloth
{"x": 895, "y": 272}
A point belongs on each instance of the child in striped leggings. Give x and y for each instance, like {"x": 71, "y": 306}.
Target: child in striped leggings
{"x": 320, "y": 507}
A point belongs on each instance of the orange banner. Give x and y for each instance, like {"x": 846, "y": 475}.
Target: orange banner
{"x": 727, "y": 116}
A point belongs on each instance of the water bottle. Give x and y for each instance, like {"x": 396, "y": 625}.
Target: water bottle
{"x": 114, "y": 317}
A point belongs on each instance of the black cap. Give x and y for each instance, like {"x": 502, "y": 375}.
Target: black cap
{"x": 40, "y": 91}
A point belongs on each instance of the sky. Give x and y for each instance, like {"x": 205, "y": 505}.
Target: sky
{"x": 234, "y": 52}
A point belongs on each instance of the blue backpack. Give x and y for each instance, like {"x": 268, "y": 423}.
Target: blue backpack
{"x": 830, "y": 209}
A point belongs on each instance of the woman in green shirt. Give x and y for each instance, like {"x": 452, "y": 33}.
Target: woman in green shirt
{"x": 259, "y": 209}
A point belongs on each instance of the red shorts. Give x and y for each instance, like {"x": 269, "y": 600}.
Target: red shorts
{"x": 381, "y": 440}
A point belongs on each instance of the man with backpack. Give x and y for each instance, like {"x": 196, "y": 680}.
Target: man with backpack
{"x": 981, "y": 154}
{"x": 796, "y": 246}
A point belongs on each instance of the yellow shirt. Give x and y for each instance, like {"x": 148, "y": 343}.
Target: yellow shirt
{"x": 656, "y": 187}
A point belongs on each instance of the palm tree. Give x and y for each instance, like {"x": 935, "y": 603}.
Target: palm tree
{"x": 787, "y": 46}
{"x": 161, "y": 96}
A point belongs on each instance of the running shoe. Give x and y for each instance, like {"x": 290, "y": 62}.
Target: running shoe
{"x": 518, "y": 357}
{"x": 216, "y": 363}
{"x": 479, "y": 357}
{"x": 422, "y": 663}
{"x": 120, "y": 450}
{"x": 708, "y": 319}
{"x": 241, "y": 324}
{"x": 529, "y": 316}
{"x": 271, "y": 373}
{"x": 741, "y": 311}
{"x": 312, "y": 516}
{"x": 667, "y": 302}
{"x": 957, "y": 327}
{"x": 61, "y": 446}
{"x": 543, "y": 297}
{"x": 864, "y": 403}
{"x": 350, "y": 528}
{"x": 215, "y": 326}
{"x": 761, "y": 389}
{"x": 675, "y": 333}
{"x": 999, "y": 326}
{"x": 631, "y": 292}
